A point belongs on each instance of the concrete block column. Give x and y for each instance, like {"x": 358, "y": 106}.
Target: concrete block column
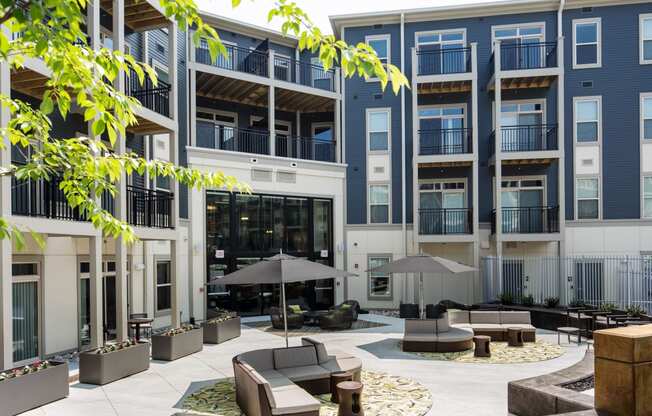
{"x": 271, "y": 106}
{"x": 623, "y": 371}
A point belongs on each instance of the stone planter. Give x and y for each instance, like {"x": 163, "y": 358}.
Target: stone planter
{"x": 102, "y": 369}
{"x": 20, "y": 394}
{"x": 172, "y": 347}
{"x": 219, "y": 332}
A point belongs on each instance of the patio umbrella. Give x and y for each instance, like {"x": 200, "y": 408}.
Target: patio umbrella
{"x": 423, "y": 263}
{"x": 281, "y": 269}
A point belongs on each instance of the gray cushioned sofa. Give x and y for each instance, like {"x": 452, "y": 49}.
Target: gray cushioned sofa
{"x": 435, "y": 335}
{"x": 494, "y": 323}
{"x": 281, "y": 381}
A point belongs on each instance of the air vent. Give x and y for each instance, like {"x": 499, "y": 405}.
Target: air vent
{"x": 261, "y": 175}
{"x": 160, "y": 48}
{"x": 286, "y": 177}
{"x": 587, "y": 84}
{"x": 379, "y": 169}
{"x": 378, "y": 96}
{"x": 587, "y": 9}
{"x": 587, "y": 162}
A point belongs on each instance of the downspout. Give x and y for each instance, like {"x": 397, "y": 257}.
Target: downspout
{"x": 403, "y": 163}
{"x": 560, "y": 32}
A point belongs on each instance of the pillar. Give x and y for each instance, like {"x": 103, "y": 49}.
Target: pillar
{"x": 623, "y": 371}
{"x": 477, "y": 284}
{"x": 498, "y": 164}
{"x": 415, "y": 177}
{"x": 6, "y": 306}
{"x": 561, "y": 166}
{"x": 271, "y": 110}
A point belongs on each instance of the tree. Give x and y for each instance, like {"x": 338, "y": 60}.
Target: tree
{"x": 54, "y": 31}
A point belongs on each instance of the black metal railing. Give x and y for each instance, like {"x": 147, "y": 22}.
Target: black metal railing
{"x": 443, "y": 61}
{"x": 528, "y": 220}
{"x": 445, "y": 142}
{"x": 528, "y": 138}
{"x": 445, "y": 221}
{"x": 45, "y": 199}
{"x": 155, "y": 98}
{"x": 521, "y": 56}
{"x": 149, "y": 208}
{"x": 304, "y": 73}
{"x": 236, "y": 59}
{"x": 235, "y": 139}
{"x": 305, "y": 148}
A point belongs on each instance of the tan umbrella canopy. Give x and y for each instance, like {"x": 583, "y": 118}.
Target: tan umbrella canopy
{"x": 281, "y": 269}
{"x": 423, "y": 263}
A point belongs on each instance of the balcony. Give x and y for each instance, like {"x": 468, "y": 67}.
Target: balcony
{"x": 155, "y": 98}
{"x": 238, "y": 59}
{"x": 305, "y": 148}
{"x": 525, "y": 65}
{"x": 528, "y": 220}
{"x": 149, "y": 208}
{"x": 45, "y": 199}
{"x": 257, "y": 141}
{"x": 445, "y": 221}
{"x": 525, "y": 138}
{"x": 303, "y": 73}
{"x": 443, "y": 61}
{"x": 445, "y": 142}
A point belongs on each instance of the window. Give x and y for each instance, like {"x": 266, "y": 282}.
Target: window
{"x": 163, "y": 286}
{"x": 646, "y": 116}
{"x": 380, "y": 44}
{"x": 586, "y": 43}
{"x": 442, "y": 52}
{"x": 587, "y": 120}
{"x": 380, "y": 284}
{"x": 378, "y": 204}
{"x": 378, "y": 130}
{"x": 645, "y": 34}
{"x": 588, "y": 198}
{"x": 647, "y": 197}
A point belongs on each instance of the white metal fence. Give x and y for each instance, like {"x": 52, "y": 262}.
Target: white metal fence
{"x": 623, "y": 281}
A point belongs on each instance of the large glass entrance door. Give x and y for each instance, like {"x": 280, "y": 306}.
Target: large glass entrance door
{"x": 25, "y": 313}
{"x": 244, "y": 229}
{"x": 108, "y": 301}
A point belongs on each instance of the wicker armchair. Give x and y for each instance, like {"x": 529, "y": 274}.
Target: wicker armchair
{"x": 295, "y": 321}
{"x": 337, "y": 319}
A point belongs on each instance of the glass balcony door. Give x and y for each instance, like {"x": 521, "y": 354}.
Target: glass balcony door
{"x": 25, "y": 312}
{"x": 522, "y": 205}
{"x": 520, "y": 46}
{"x": 522, "y": 126}
{"x": 442, "y": 130}
{"x": 441, "y": 205}
{"x": 442, "y": 52}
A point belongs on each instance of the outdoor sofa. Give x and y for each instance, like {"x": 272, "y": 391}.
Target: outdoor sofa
{"x": 294, "y": 320}
{"x": 281, "y": 381}
{"x": 435, "y": 335}
{"x": 494, "y": 323}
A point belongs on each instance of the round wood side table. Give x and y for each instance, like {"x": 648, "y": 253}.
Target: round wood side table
{"x": 336, "y": 378}
{"x": 482, "y": 346}
{"x": 350, "y": 396}
{"x": 514, "y": 337}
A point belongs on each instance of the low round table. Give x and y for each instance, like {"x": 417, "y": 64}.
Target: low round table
{"x": 482, "y": 346}
{"x": 350, "y": 395}
{"x": 515, "y": 337}
{"x": 336, "y": 378}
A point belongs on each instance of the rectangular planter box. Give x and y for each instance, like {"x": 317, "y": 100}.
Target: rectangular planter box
{"x": 102, "y": 369}
{"x": 170, "y": 348}
{"x": 222, "y": 331}
{"x": 20, "y": 394}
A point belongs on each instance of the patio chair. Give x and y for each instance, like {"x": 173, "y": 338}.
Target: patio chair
{"x": 337, "y": 319}
{"x": 295, "y": 321}
{"x": 353, "y": 305}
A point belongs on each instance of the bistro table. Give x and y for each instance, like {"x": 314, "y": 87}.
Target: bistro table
{"x": 137, "y": 322}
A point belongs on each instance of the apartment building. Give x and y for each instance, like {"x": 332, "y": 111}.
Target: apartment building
{"x": 523, "y": 134}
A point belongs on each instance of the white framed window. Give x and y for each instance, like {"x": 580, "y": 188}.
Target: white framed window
{"x": 378, "y": 129}
{"x": 587, "y": 119}
{"x": 646, "y": 209}
{"x": 163, "y": 286}
{"x": 519, "y": 33}
{"x": 646, "y": 116}
{"x": 382, "y": 45}
{"x": 442, "y": 51}
{"x": 645, "y": 36}
{"x": 587, "y": 43}
{"x": 379, "y": 212}
{"x": 380, "y": 284}
{"x": 587, "y": 198}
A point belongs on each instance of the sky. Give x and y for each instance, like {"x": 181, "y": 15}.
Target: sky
{"x": 255, "y": 12}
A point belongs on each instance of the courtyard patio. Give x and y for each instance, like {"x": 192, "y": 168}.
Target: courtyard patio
{"x": 455, "y": 386}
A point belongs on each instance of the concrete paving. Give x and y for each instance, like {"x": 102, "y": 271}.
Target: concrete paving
{"x": 457, "y": 388}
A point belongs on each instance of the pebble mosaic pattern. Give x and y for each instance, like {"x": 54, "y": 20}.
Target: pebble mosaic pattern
{"x": 383, "y": 394}
{"x": 530, "y": 352}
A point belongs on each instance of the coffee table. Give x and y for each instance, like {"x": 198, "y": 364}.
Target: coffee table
{"x": 350, "y": 395}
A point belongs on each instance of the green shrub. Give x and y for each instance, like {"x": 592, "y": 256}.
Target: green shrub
{"x": 577, "y": 303}
{"x": 551, "y": 302}
{"x": 528, "y": 300}
{"x": 635, "y": 311}
{"x": 608, "y": 307}
{"x": 506, "y": 298}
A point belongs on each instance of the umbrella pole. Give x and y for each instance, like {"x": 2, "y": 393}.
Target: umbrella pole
{"x": 285, "y": 313}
